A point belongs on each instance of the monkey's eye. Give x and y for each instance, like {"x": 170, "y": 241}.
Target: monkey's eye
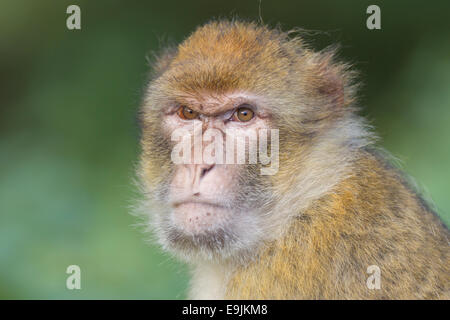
{"x": 186, "y": 113}
{"x": 243, "y": 113}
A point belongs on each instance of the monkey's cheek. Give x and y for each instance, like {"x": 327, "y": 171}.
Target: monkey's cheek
{"x": 198, "y": 218}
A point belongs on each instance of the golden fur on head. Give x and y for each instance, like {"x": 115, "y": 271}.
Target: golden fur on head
{"x": 334, "y": 208}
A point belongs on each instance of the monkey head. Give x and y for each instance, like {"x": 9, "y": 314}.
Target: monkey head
{"x": 239, "y": 80}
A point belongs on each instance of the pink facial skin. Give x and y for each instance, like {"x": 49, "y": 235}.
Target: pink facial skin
{"x": 201, "y": 195}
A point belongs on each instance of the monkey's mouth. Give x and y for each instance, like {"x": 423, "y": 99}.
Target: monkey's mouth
{"x": 176, "y": 204}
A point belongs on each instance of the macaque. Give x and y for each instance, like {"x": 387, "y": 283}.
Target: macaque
{"x": 332, "y": 206}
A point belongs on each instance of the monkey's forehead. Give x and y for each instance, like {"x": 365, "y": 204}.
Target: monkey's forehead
{"x": 224, "y": 56}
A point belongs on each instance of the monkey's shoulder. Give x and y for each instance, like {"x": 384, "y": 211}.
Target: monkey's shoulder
{"x": 374, "y": 217}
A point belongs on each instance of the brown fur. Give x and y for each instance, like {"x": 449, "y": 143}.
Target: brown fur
{"x": 337, "y": 206}
{"x": 371, "y": 218}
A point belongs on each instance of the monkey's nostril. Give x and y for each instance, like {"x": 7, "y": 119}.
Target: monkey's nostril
{"x": 205, "y": 170}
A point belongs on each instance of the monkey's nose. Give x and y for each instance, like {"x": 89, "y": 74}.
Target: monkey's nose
{"x": 200, "y": 171}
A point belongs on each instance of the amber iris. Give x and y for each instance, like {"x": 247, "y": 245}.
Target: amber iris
{"x": 243, "y": 114}
{"x": 186, "y": 113}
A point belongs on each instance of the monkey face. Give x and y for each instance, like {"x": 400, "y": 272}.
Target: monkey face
{"x": 214, "y": 191}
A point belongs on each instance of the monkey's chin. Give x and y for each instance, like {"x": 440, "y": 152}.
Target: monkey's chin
{"x": 201, "y": 230}
{"x": 197, "y": 218}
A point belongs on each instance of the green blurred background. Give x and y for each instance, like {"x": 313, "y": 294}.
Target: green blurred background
{"x": 68, "y": 139}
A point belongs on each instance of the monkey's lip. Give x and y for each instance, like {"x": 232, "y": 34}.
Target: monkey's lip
{"x": 178, "y": 203}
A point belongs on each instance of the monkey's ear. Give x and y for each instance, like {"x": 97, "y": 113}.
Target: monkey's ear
{"x": 160, "y": 62}
{"x": 332, "y": 79}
